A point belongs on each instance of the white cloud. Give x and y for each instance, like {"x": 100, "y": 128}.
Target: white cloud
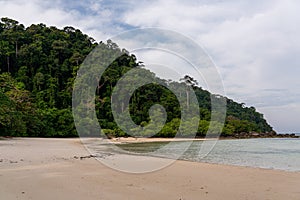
{"x": 28, "y": 12}
{"x": 60, "y": 14}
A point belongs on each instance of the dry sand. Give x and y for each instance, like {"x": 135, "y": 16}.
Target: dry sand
{"x": 52, "y": 169}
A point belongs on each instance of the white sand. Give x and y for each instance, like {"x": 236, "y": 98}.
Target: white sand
{"x": 46, "y": 169}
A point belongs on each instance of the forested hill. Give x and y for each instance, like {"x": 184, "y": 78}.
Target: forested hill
{"x": 39, "y": 65}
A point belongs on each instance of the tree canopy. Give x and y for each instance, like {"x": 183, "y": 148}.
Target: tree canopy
{"x": 39, "y": 65}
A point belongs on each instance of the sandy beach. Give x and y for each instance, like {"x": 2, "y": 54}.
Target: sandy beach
{"x": 33, "y": 168}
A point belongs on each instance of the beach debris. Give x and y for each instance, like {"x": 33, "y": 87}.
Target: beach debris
{"x": 84, "y": 157}
{"x": 104, "y": 155}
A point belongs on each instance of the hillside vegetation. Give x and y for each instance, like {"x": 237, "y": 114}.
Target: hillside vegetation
{"x": 39, "y": 65}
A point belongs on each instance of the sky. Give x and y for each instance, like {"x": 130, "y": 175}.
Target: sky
{"x": 255, "y": 45}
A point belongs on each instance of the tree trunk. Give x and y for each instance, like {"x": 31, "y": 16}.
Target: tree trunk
{"x": 16, "y": 49}
{"x": 8, "y": 67}
{"x": 187, "y": 99}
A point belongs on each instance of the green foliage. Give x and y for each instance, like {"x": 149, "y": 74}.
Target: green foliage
{"x": 42, "y": 63}
{"x": 16, "y": 109}
{"x": 203, "y": 127}
{"x": 39, "y": 64}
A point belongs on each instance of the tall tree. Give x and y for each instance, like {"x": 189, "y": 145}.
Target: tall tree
{"x": 190, "y": 83}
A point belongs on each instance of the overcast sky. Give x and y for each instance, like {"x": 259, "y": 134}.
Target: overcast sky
{"x": 255, "y": 44}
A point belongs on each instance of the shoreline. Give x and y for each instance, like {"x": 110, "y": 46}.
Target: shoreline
{"x": 116, "y": 140}
{"x": 125, "y": 140}
{"x": 38, "y": 168}
{"x": 131, "y": 140}
{"x": 122, "y": 140}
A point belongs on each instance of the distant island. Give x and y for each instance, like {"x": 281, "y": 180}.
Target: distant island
{"x": 39, "y": 65}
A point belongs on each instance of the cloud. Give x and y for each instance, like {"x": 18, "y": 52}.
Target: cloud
{"x": 33, "y": 11}
{"x": 255, "y": 44}
{"x": 92, "y": 17}
{"x": 284, "y": 118}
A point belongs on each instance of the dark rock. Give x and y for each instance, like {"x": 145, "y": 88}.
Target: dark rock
{"x": 255, "y": 134}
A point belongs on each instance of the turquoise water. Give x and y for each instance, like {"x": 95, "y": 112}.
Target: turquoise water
{"x": 269, "y": 153}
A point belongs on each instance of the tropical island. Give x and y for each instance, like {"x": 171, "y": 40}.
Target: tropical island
{"x": 39, "y": 65}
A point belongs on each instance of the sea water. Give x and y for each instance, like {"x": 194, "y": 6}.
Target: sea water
{"x": 269, "y": 153}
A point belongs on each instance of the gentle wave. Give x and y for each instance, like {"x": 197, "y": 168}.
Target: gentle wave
{"x": 269, "y": 153}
